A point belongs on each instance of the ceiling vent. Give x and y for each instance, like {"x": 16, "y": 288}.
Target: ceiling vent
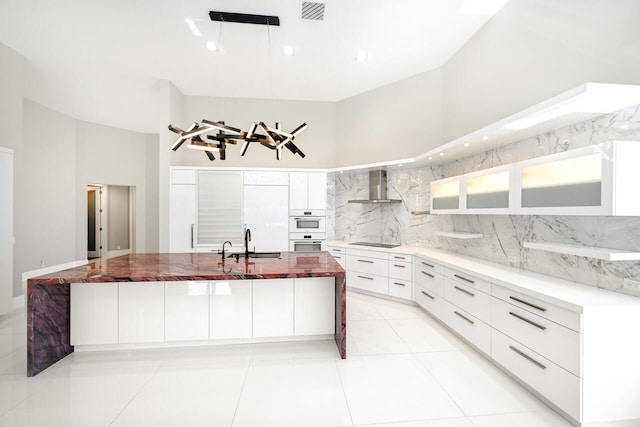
{"x": 312, "y": 11}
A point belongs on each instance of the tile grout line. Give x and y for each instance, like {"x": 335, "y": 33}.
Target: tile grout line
{"x": 137, "y": 393}
{"x": 244, "y": 382}
{"x": 344, "y": 393}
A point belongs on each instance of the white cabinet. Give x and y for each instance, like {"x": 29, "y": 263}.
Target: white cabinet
{"x": 308, "y": 190}
{"x": 314, "y": 306}
{"x": 340, "y": 254}
{"x": 182, "y": 210}
{"x": 6, "y": 230}
{"x": 368, "y": 270}
{"x": 231, "y": 310}
{"x": 141, "y": 312}
{"x": 266, "y": 213}
{"x": 272, "y": 307}
{"x": 94, "y": 313}
{"x": 219, "y": 213}
{"x": 400, "y": 276}
{"x": 186, "y": 311}
{"x": 266, "y": 177}
{"x": 595, "y": 180}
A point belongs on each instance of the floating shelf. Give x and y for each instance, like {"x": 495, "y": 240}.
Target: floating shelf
{"x": 420, "y": 212}
{"x": 455, "y": 235}
{"x": 585, "y": 251}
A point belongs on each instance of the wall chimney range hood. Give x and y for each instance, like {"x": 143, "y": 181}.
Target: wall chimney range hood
{"x": 377, "y": 188}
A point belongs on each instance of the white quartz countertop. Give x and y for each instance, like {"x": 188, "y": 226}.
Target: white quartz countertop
{"x": 571, "y": 295}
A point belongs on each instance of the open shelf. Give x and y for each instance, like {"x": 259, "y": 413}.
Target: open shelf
{"x": 420, "y": 212}
{"x": 606, "y": 254}
{"x": 456, "y": 235}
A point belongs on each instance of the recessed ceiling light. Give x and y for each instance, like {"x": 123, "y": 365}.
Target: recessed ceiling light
{"x": 287, "y": 51}
{"x": 211, "y": 46}
{"x": 192, "y": 26}
{"x": 466, "y": 144}
{"x": 442, "y": 154}
{"x": 361, "y": 56}
{"x": 484, "y": 138}
{"x": 625, "y": 126}
{"x": 430, "y": 158}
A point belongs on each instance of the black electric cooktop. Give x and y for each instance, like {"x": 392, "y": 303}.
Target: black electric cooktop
{"x": 375, "y": 245}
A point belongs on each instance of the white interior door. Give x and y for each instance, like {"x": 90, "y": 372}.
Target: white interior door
{"x": 6, "y": 230}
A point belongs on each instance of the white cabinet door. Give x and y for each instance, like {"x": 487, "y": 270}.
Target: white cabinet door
{"x": 182, "y": 217}
{"x": 317, "y": 190}
{"x": 266, "y": 213}
{"x": 266, "y": 178}
{"x": 230, "y": 315}
{"x": 298, "y": 185}
{"x": 273, "y": 308}
{"x": 94, "y": 313}
{"x": 141, "y": 312}
{"x": 186, "y": 311}
{"x": 314, "y": 306}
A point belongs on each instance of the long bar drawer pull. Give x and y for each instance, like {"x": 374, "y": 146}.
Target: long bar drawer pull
{"x": 427, "y": 274}
{"x": 463, "y": 278}
{"x": 365, "y": 277}
{"x": 464, "y": 291}
{"x": 426, "y": 295}
{"x": 398, "y": 257}
{"x": 336, "y": 250}
{"x": 399, "y": 266}
{"x": 531, "y": 322}
{"x": 427, "y": 264}
{"x": 464, "y": 317}
{"x": 528, "y": 303}
{"x": 337, "y": 257}
{"x": 399, "y": 284}
{"x": 529, "y": 358}
{"x": 365, "y": 260}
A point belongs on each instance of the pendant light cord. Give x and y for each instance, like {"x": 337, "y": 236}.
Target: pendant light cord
{"x": 273, "y": 100}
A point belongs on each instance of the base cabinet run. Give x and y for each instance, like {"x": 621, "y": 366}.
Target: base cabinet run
{"x": 173, "y": 312}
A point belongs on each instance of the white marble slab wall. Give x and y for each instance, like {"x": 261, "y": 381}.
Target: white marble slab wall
{"x": 503, "y": 234}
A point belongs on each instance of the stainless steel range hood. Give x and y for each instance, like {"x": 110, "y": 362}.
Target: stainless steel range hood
{"x": 377, "y": 188}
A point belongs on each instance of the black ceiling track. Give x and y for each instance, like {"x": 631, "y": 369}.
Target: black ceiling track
{"x": 244, "y": 18}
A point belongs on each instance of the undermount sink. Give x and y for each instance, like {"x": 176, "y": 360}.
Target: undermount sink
{"x": 264, "y": 254}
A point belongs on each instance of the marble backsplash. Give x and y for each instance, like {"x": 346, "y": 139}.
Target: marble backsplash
{"x": 503, "y": 234}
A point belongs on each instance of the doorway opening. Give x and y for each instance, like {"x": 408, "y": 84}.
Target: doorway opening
{"x": 110, "y": 220}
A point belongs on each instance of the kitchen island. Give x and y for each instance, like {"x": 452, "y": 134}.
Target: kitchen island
{"x": 49, "y": 305}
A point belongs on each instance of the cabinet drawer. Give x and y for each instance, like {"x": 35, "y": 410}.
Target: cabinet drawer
{"x": 429, "y": 279}
{"x": 568, "y": 318}
{"x": 400, "y": 288}
{"x": 400, "y": 257}
{"x": 369, "y": 254}
{"x": 341, "y": 259}
{"x": 400, "y": 270}
{"x": 336, "y": 250}
{"x": 375, "y": 266}
{"x": 469, "y": 327}
{"x": 429, "y": 265}
{"x": 469, "y": 280}
{"x": 556, "y": 384}
{"x": 553, "y": 341}
{"x": 368, "y": 282}
{"x": 469, "y": 299}
{"x": 431, "y": 302}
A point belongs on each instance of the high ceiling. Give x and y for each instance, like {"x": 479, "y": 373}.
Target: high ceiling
{"x": 83, "y": 51}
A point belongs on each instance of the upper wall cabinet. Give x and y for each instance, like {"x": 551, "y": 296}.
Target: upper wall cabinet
{"x": 594, "y": 180}
{"x": 308, "y": 190}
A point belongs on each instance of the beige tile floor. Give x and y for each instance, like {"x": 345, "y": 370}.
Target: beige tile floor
{"x": 403, "y": 369}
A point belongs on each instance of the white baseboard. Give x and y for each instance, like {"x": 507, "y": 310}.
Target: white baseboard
{"x": 113, "y": 254}
{"x": 47, "y": 270}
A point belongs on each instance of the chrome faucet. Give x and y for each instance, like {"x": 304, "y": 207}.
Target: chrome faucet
{"x": 247, "y": 239}
{"x": 222, "y": 253}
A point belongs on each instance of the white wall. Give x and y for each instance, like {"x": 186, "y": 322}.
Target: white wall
{"x": 6, "y": 230}
{"x": 317, "y": 142}
{"x": 111, "y": 156}
{"x": 151, "y": 221}
{"x": 393, "y": 122}
{"x": 45, "y": 197}
{"x": 535, "y": 49}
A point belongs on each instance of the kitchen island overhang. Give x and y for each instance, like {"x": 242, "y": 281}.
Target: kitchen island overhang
{"x": 49, "y": 296}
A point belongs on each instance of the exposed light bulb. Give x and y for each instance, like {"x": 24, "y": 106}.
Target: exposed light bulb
{"x": 287, "y": 51}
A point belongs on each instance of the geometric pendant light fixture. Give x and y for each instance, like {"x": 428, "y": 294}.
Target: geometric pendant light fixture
{"x": 219, "y": 135}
